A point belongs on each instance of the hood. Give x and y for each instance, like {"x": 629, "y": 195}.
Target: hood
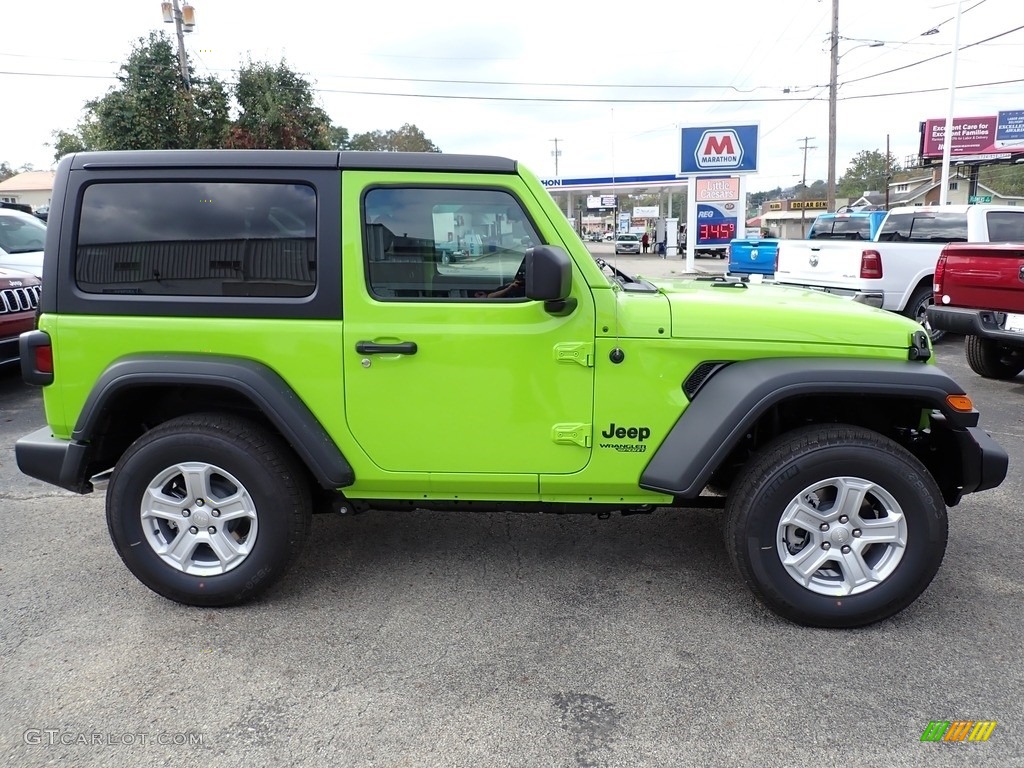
{"x": 27, "y": 261}
{"x": 770, "y": 313}
{"x": 12, "y": 278}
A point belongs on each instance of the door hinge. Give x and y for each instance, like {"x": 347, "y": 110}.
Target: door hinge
{"x": 581, "y": 352}
{"x": 572, "y": 434}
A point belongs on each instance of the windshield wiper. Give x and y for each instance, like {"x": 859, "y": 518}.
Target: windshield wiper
{"x": 615, "y": 270}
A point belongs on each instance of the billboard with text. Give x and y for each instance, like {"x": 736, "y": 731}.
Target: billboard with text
{"x": 984, "y": 135}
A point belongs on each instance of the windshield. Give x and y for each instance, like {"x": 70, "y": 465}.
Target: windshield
{"x": 21, "y": 233}
{"x": 628, "y": 237}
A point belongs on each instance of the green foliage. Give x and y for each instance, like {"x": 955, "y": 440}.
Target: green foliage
{"x": 757, "y": 199}
{"x": 339, "y": 137}
{"x": 408, "y": 138}
{"x": 1004, "y": 179}
{"x": 277, "y": 110}
{"x": 150, "y": 108}
{"x": 867, "y": 172}
{"x": 5, "y": 170}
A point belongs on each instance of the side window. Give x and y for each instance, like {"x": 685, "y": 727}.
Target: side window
{"x": 444, "y": 243}
{"x": 197, "y": 239}
{"x": 1005, "y": 226}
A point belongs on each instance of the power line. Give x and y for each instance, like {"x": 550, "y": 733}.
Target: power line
{"x": 558, "y": 100}
{"x": 932, "y": 58}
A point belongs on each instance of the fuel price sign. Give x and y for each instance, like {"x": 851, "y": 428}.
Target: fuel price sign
{"x": 715, "y": 226}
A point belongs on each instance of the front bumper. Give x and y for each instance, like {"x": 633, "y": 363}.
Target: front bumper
{"x": 984, "y": 460}
{"x": 59, "y": 462}
{"x": 984, "y": 323}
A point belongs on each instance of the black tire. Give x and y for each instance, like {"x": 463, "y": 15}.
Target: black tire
{"x": 917, "y": 309}
{"x": 274, "y": 508}
{"x": 808, "y": 458}
{"x": 993, "y": 360}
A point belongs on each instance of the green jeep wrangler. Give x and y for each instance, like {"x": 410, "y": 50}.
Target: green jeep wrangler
{"x": 233, "y": 339}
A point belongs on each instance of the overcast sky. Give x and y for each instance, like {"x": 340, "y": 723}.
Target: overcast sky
{"x": 567, "y": 69}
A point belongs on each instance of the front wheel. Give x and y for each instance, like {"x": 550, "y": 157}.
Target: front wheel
{"x": 208, "y": 509}
{"x": 917, "y": 309}
{"x": 836, "y": 526}
{"x": 993, "y": 360}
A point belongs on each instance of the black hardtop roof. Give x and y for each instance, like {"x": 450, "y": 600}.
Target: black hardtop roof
{"x": 290, "y": 158}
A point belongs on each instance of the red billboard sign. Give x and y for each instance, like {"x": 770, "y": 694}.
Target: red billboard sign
{"x": 971, "y": 136}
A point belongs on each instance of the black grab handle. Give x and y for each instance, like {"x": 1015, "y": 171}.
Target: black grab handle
{"x": 372, "y": 348}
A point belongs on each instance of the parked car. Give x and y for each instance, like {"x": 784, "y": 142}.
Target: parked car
{"x": 627, "y": 242}
{"x": 753, "y": 256}
{"x": 254, "y": 383}
{"x": 22, "y": 236}
{"x": 19, "y": 297}
{"x": 894, "y": 271}
{"x": 979, "y": 291}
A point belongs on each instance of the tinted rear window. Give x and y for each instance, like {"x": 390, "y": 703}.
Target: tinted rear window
{"x": 841, "y": 229}
{"x": 197, "y": 239}
{"x": 1005, "y": 226}
{"x": 925, "y": 227}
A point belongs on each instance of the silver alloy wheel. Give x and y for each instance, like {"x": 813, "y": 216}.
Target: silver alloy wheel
{"x": 842, "y": 536}
{"x": 199, "y": 519}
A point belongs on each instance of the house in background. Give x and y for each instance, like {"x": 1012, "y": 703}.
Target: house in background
{"x": 32, "y": 188}
{"x": 924, "y": 190}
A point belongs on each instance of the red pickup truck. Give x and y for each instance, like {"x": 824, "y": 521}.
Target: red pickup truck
{"x": 979, "y": 291}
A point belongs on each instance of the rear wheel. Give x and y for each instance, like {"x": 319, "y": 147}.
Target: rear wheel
{"x": 208, "y": 509}
{"x": 993, "y": 360}
{"x": 836, "y": 526}
{"x": 917, "y": 309}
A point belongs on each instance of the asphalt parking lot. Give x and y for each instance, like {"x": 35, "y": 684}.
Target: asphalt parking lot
{"x": 460, "y": 639}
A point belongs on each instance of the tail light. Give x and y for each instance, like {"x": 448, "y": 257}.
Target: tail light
{"x": 36, "y": 357}
{"x": 870, "y": 265}
{"x": 940, "y": 272}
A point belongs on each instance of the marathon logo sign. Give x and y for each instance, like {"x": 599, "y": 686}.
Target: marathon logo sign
{"x": 718, "y": 149}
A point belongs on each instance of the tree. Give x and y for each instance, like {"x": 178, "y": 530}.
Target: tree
{"x": 1004, "y": 179}
{"x": 408, "y": 138}
{"x": 339, "y": 137}
{"x": 150, "y": 108}
{"x": 277, "y": 110}
{"x": 6, "y": 171}
{"x": 867, "y": 172}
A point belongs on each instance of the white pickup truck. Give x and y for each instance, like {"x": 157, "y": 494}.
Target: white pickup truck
{"x": 894, "y": 270}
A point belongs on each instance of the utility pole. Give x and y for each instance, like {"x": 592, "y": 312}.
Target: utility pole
{"x": 556, "y": 153}
{"x": 803, "y": 191}
{"x": 888, "y": 172}
{"x": 832, "y": 87}
{"x": 184, "y": 20}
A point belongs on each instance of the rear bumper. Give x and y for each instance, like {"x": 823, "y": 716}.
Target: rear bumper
{"x": 984, "y": 323}
{"x": 58, "y": 462}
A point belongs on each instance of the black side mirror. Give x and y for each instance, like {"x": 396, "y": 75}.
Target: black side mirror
{"x": 549, "y": 278}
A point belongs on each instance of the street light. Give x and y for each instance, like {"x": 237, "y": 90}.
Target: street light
{"x": 184, "y": 20}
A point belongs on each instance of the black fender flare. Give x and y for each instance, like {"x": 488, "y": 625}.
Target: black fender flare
{"x": 728, "y": 404}
{"x": 254, "y": 381}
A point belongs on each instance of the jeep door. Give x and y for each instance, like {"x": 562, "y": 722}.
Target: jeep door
{"x": 444, "y": 371}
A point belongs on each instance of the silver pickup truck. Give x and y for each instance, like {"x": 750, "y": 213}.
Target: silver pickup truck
{"x": 894, "y": 270}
